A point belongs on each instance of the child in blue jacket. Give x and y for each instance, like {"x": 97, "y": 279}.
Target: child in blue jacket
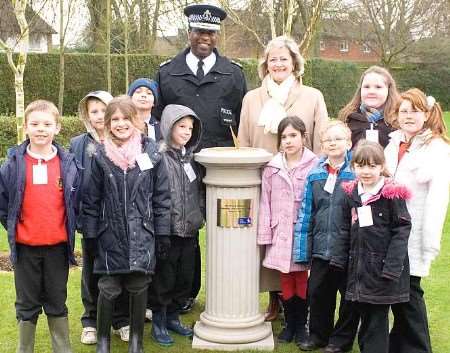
{"x": 316, "y": 229}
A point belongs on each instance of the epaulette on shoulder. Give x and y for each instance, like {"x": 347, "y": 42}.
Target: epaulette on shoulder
{"x": 165, "y": 63}
{"x": 236, "y": 63}
{"x": 392, "y": 190}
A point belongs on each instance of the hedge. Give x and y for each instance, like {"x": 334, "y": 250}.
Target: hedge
{"x": 86, "y": 72}
{"x": 83, "y": 73}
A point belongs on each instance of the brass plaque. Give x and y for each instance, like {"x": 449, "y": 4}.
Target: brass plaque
{"x": 234, "y": 213}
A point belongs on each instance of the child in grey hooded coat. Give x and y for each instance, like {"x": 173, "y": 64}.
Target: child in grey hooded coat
{"x": 181, "y": 130}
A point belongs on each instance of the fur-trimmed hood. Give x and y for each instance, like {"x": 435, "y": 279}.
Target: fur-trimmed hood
{"x": 390, "y": 190}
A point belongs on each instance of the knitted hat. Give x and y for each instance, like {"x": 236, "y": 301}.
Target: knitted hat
{"x": 144, "y": 82}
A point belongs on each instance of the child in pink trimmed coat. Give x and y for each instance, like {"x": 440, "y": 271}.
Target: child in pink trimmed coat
{"x": 283, "y": 183}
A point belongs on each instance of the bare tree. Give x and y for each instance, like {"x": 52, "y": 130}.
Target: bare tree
{"x": 295, "y": 18}
{"x": 391, "y": 26}
{"x": 97, "y": 27}
{"x": 18, "y": 67}
{"x": 63, "y": 26}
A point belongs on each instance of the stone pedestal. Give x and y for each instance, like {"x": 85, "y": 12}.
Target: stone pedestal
{"x": 231, "y": 320}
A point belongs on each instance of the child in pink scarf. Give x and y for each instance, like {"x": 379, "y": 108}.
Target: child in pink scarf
{"x": 126, "y": 217}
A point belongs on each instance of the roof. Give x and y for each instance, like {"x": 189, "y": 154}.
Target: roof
{"x": 345, "y": 28}
{"x": 8, "y": 21}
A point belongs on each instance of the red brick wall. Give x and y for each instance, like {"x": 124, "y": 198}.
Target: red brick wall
{"x": 355, "y": 52}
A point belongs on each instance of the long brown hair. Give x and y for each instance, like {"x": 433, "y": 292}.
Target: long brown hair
{"x": 391, "y": 100}
{"x": 435, "y": 121}
{"x": 127, "y": 108}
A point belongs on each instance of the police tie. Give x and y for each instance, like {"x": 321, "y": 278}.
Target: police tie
{"x": 200, "y": 72}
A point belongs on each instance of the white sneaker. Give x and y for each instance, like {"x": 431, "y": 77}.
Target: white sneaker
{"x": 123, "y": 332}
{"x": 148, "y": 314}
{"x": 89, "y": 335}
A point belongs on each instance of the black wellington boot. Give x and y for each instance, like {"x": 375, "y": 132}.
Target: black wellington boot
{"x": 104, "y": 318}
{"x": 301, "y": 333}
{"x": 290, "y": 319}
{"x": 138, "y": 305}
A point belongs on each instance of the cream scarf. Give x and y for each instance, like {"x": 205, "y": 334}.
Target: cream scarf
{"x": 273, "y": 110}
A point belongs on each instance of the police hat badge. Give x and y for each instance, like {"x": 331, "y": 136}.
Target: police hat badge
{"x": 202, "y": 16}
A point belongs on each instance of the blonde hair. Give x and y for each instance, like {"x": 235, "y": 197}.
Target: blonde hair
{"x": 291, "y": 45}
{"x": 369, "y": 152}
{"x": 42, "y": 105}
{"x": 127, "y": 108}
{"x": 435, "y": 121}
{"x": 391, "y": 100}
{"x": 336, "y": 123}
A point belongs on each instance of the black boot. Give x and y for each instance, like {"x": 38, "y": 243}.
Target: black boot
{"x": 290, "y": 319}
{"x": 138, "y": 304}
{"x": 174, "y": 324}
{"x": 159, "y": 328}
{"x": 301, "y": 333}
{"x": 104, "y": 318}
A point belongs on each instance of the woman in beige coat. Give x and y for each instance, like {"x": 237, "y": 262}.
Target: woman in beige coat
{"x": 281, "y": 94}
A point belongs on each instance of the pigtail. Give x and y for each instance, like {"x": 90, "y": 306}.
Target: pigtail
{"x": 435, "y": 121}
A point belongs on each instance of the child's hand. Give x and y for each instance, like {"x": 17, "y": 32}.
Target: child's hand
{"x": 162, "y": 247}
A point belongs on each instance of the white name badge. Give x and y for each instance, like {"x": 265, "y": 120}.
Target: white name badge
{"x": 151, "y": 132}
{"x": 365, "y": 216}
{"x": 372, "y": 135}
{"x": 144, "y": 162}
{"x": 330, "y": 183}
{"x": 40, "y": 174}
{"x": 189, "y": 172}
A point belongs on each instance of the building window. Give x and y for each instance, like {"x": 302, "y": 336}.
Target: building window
{"x": 343, "y": 46}
{"x": 35, "y": 43}
{"x": 322, "y": 45}
{"x": 366, "y": 48}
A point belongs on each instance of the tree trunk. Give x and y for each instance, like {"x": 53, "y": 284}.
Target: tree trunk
{"x": 19, "y": 9}
{"x": 61, "y": 57}
{"x": 311, "y": 29}
{"x": 97, "y": 13}
{"x": 108, "y": 44}
{"x": 154, "y": 26}
{"x": 125, "y": 27}
{"x": 20, "y": 106}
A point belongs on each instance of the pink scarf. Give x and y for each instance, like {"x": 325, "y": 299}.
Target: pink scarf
{"x": 124, "y": 156}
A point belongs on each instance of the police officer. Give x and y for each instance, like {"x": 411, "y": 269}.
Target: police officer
{"x": 201, "y": 79}
{"x": 208, "y": 83}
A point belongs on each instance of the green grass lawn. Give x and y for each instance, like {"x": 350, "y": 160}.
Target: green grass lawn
{"x": 437, "y": 293}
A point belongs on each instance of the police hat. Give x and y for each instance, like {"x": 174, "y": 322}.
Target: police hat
{"x": 203, "y": 16}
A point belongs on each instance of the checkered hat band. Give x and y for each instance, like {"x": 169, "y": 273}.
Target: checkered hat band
{"x": 207, "y": 26}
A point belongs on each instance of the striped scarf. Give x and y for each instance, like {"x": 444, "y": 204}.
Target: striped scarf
{"x": 373, "y": 115}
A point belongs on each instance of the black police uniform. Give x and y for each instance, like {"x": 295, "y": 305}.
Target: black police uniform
{"x": 216, "y": 99}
